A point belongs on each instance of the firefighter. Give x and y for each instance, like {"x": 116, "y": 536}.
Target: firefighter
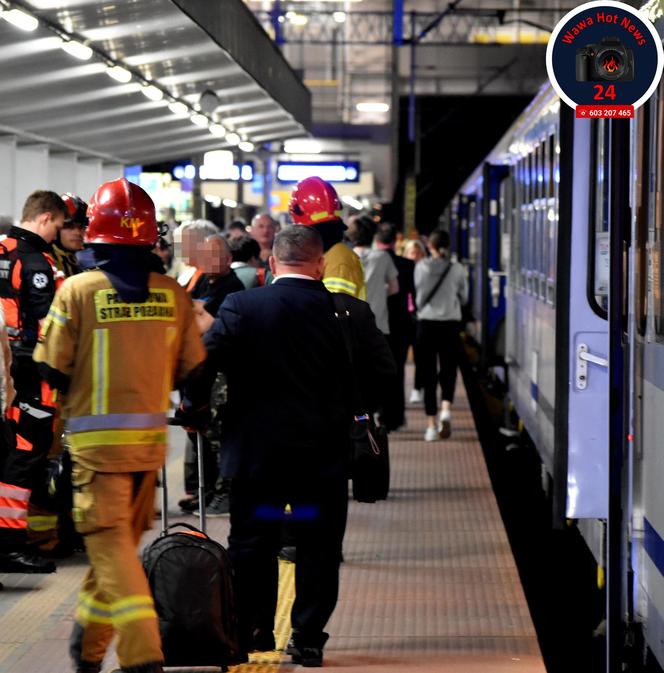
{"x": 27, "y": 286}
{"x": 314, "y": 203}
{"x": 70, "y": 238}
{"x": 116, "y": 340}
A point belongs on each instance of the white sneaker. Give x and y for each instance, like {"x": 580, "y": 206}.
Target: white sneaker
{"x": 431, "y": 435}
{"x": 445, "y": 424}
{"x": 415, "y": 396}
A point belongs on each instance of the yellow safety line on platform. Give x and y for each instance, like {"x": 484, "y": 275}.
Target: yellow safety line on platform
{"x": 267, "y": 662}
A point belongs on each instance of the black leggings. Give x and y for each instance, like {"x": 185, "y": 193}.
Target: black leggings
{"x": 438, "y": 347}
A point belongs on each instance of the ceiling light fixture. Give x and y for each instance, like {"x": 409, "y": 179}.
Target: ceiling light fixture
{"x": 232, "y": 138}
{"x": 339, "y": 17}
{"x": 20, "y": 19}
{"x": 152, "y": 92}
{"x": 119, "y": 74}
{"x": 77, "y": 49}
{"x": 302, "y": 146}
{"x": 178, "y": 108}
{"x": 246, "y": 146}
{"x": 371, "y": 106}
{"x": 200, "y": 120}
{"x": 217, "y": 130}
{"x": 230, "y": 203}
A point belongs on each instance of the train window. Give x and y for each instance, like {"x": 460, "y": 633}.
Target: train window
{"x": 539, "y": 252}
{"x": 531, "y": 225}
{"x": 659, "y": 215}
{"x": 521, "y": 181}
{"x": 641, "y": 194}
{"x": 552, "y": 217}
{"x": 598, "y": 248}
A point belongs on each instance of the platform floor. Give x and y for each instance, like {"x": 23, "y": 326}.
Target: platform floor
{"x": 428, "y": 584}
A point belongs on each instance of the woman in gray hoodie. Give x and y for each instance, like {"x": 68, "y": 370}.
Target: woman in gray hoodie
{"x": 441, "y": 288}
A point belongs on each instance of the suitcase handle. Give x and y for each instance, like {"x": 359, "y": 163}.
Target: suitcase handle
{"x": 193, "y": 529}
{"x": 201, "y": 484}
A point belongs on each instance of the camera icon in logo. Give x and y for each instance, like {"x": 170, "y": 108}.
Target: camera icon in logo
{"x": 607, "y": 61}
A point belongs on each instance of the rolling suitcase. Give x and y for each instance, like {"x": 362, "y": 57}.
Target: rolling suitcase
{"x": 191, "y": 579}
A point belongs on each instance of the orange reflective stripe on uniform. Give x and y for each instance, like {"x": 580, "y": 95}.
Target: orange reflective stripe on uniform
{"x": 99, "y": 401}
{"x": 13, "y": 506}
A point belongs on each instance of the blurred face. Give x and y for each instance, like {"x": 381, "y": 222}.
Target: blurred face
{"x": 71, "y": 237}
{"x": 214, "y": 257}
{"x": 414, "y": 252}
{"x": 263, "y": 231}
{"x": 235, "y": 233}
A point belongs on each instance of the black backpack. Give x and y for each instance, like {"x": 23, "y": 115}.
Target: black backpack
{"x": 191, "y": 580}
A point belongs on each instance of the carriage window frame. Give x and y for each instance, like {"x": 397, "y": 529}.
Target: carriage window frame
{"x": 552, "y": 222}
{"x": 658, "y": 238}
{"x": 641, "y": 214}
{"x": 598, "y": 204}
{"x": 543, "y": 228}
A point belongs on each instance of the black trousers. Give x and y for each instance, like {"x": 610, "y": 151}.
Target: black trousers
{"x": 438, "y": 358}
{"x": 318, "y": 523}
{"x": 26, "y": 442}
{"x": 395, "y": 402}
{"x": 210, "y": 465}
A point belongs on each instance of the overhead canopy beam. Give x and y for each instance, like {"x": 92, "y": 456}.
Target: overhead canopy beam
{"x": 236, "y": 30}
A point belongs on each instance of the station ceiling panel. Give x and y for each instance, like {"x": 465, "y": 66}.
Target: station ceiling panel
{"x": 140, "y": 82}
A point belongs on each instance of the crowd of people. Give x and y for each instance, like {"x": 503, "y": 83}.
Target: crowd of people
{"x": 106, "y": 312}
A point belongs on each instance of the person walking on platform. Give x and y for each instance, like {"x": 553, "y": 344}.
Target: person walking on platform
{"x": 115, "y": 341}
{"x": 27, "y": 286}
{"x": 442, "y": 288}
{"x": 315, "y": 203}
{"x": 289, "y": 442}
{"x": 401, "y": 333}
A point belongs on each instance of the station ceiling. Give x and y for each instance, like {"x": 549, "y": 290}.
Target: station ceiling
{"x": 183, "y": 53}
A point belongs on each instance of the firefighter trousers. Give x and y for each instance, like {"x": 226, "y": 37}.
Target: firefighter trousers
{"x": 26, "y": 445}
{"x": 112, "y": 510}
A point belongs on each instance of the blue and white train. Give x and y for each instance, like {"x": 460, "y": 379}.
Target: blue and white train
{"x": 533, "y": 224}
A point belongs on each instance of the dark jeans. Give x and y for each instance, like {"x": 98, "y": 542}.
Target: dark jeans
{"x": 395, "y": 402}
{"x": 318, "y": 522}
{"x": 438, "y": 345}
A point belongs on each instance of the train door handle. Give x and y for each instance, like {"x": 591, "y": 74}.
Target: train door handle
{"x": 583, "y": 357}
{"x": 494, "y": 280}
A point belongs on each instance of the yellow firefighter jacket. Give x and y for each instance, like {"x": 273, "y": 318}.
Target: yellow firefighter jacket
{"x": 122, "y": 360}
{"x": 343, "y": 271}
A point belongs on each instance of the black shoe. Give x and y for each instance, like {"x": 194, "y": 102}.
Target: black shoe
{"x": 24, "y": 562}
{"x": 287, "y": 554}
{"x": 308, "y": 656}
{"x": 262, "y": 640}
{"x": 190, "y": 504}
{"x": 219, "y": 506}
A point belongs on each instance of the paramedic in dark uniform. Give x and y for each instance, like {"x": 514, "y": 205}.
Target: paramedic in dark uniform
{"x": 27, "y": 286}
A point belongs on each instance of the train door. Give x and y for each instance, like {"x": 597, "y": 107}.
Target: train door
{"x": 494, "y": 274}
{"x": 582, "y": 346}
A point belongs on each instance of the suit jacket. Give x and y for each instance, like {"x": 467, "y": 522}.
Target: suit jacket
{"x": 289, "y": 404}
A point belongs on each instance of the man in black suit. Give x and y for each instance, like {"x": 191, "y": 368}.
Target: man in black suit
{"x": 287, "y": 440}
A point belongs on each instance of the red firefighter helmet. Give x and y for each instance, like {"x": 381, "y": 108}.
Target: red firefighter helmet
{"x": 121, "y": 212}
{"x": 77, "y": 209}
{"x": 313, "y": 201}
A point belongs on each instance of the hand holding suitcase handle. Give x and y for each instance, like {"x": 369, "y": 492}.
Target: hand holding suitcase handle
{"x": 201, "y": 484}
